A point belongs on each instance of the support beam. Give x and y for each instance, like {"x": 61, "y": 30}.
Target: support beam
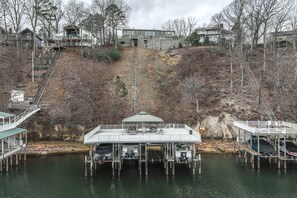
{"x": 7, "y": 164}
{"x": 146, "y": 159}
{"x": 17, "y": 159}
{"x": 259, "y": 159}
{"x": 86, "y": 166}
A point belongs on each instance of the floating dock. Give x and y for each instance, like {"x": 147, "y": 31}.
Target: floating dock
{"x": 13, "y": 140}
{"x": 258, "y": 140}
{"x": 145, "y": 139}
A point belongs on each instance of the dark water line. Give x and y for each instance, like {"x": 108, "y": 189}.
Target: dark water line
{"x": 222, "y": 176}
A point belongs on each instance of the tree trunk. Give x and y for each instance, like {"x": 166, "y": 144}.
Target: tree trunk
{"x": 197, "y": 106}
{"x": 33, "y": 51}
{"x": 17, "y": 44}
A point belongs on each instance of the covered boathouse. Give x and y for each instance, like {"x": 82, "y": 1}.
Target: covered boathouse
{"x": 144, "y": 138}
{"x": 13, "y": 140}
{"x": 274, "y": 141}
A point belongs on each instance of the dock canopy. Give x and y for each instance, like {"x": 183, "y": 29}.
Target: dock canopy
{"x": 143, "y": 117}
{"x": 11, "y": 132}
{"x": 4, "y": 115}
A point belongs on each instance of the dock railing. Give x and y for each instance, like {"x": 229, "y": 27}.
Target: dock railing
{"x": 192, "y": 135}
{"x": 145, "y": 138}
{"x": 267, "y": 127}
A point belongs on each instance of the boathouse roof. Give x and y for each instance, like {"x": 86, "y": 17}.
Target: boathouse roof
{"x": 11, "y": 132}
{"x": 143, "y": 117}
{"x": 4, "y": 115}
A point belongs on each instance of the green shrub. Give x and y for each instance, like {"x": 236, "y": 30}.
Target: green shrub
{"x": 102, "y": 54}
{"x": 114, "y": 54}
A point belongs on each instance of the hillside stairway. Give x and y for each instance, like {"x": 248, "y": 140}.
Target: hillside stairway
{"x": 44, "y": 83}
{"x": 17, "y": 120}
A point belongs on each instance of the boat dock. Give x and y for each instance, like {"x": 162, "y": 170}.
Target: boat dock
{"x": 145, "y": 139}
{"x": 265, "y": 140}
{"x": 13, "y": 140}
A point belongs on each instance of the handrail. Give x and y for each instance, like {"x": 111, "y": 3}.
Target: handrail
{"x": 20, "y": 118}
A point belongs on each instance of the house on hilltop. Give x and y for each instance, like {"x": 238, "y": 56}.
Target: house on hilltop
{"x": 283, "y": 38}
{"x": 25, "y": 38}
{"x": 73, "y": 35}
{"x": 149, "y": 38}
{"x": 214, "y": 34}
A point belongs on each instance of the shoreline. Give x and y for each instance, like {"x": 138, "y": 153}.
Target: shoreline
{"x": 40, "y": 148}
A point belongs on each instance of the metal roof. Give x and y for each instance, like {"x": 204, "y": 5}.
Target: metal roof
{"x": 11, "y": 132}
{"x": 143, "y": 117}
{"x": 6, "y": 115}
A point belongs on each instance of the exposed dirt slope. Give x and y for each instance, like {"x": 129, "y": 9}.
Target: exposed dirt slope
{"x": 84, "y": 93}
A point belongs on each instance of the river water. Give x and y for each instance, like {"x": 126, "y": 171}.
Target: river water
{"x": 222, "y": 176}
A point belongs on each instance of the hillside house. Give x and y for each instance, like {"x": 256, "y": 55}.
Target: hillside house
{"x": 214, "y": 34}
{"x": 73, "y": 35}
{"x": 154, "y": 39}
{"x": 283, "y": 38}
{"x": 25, "y": 38}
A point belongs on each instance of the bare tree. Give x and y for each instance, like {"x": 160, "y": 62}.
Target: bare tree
{"x": 281, "y": 19}
{"x": 74, "y": 12}
{"x": 15, "y": 14}
{"x": 99, "y": 7}
{"x": 191, "y": 24}
{"x": 35, "y": 10}
{"x": 117, "y": 15}
{"x": 3, "y": 13}
{"x": 192, "y": 88}
{"x": 182, "y": 27}
{"x": 217, "y": 21}
{"x": 233, "y": 15}
{"x": 254, "y": 22}
{"x": 57, "y": 14}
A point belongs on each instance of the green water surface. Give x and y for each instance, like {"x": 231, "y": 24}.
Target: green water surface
{"x": 222, "y": 176}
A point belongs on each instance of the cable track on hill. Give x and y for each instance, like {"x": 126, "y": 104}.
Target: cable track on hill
{"x": 134, "y": 81}
{"x": 256, "y": 86}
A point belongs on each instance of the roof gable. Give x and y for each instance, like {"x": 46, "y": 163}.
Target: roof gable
{"x": 143, "y": 117}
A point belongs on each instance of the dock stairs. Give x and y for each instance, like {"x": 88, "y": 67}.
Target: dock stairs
{"x": 20, "y": 118}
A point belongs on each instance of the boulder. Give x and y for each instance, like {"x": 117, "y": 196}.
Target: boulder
{"x": 219, "y": 127}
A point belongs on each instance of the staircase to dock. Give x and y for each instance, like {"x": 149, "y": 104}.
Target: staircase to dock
{"x": 20, "y": 118}
{"x": 44, "y": 83}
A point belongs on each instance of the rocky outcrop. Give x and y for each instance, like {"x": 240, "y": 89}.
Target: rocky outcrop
{"x": 218, "y": 127}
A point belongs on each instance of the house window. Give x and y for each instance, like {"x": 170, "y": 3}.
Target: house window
{"x": 28, "y": 36}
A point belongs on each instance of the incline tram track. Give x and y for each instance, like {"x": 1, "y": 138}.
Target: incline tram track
{"x": 134, "y": 81}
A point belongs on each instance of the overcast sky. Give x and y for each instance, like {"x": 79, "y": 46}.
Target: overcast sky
{"x": 153, "y": 13}
{"x": 149, "y": 14}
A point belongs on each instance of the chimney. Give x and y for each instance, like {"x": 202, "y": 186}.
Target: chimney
{"x": 9, "y": 31}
